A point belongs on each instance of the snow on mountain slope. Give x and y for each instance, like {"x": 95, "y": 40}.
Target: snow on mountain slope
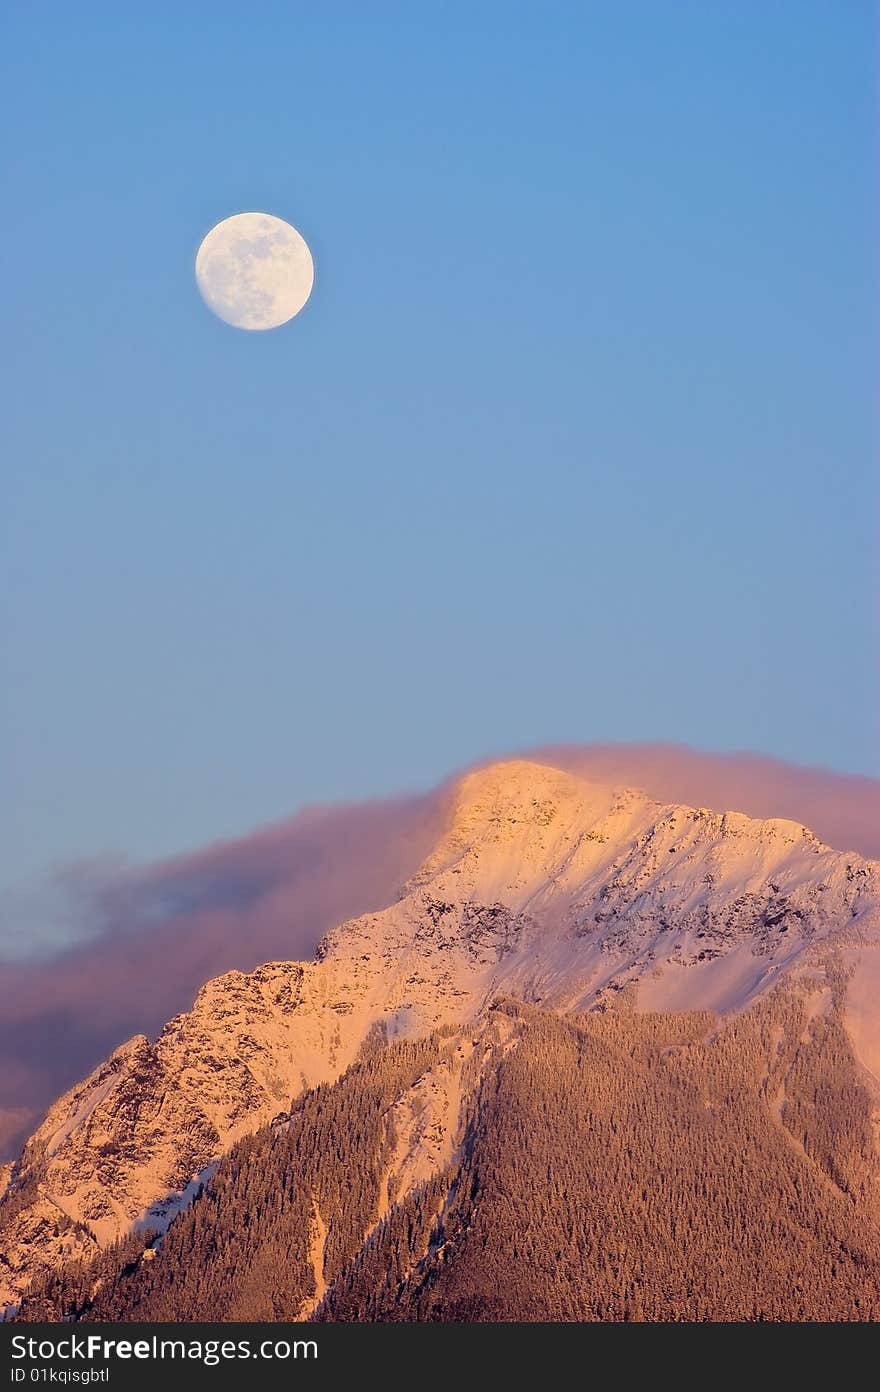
{"x": 562, "y": 892}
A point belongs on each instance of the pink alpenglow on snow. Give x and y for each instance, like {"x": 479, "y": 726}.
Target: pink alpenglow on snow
{"x": 161, "y": 932}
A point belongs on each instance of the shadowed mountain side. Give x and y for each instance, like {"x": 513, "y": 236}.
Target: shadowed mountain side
{"x": 592, "y": 1169}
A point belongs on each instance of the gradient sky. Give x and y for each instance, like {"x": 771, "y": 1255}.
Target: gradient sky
{"x": 574, "y": 440}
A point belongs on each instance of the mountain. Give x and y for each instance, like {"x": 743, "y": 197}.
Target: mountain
{"x": 543, "y": 889}
{"x": 273, "y": 893}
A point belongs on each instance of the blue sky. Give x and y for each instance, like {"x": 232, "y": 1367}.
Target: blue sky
{"x": 575, "y": 439}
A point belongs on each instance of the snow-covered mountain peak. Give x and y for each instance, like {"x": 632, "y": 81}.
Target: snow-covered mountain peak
{"x": 566, "y": 893}
{"x": 526, "y": 834}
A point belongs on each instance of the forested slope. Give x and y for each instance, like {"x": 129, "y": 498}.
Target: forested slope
{"x": 608, "y": 1167}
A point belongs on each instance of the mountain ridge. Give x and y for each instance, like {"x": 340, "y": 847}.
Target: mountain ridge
{"x": 560, "y": 892}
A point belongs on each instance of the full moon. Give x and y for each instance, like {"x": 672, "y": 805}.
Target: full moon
{"x": 254, "y": 271}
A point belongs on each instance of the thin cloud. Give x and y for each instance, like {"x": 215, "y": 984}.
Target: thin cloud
{"x": 157, "y": 935}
